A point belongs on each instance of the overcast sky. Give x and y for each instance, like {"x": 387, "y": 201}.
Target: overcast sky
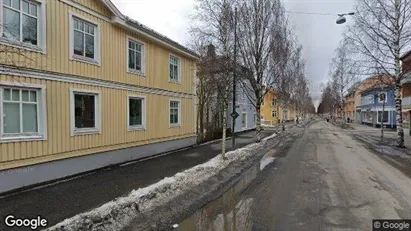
{"x": 319, "y": 34}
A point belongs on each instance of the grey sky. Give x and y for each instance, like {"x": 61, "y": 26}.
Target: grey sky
{"x": 319, "y": 34}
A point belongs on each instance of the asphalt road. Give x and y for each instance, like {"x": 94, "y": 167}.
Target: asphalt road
{"x": 326, "y": 181}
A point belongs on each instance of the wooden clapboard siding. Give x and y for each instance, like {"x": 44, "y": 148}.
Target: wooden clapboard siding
{"x": 113, "y": 52}
{"x": 114, "y": 132}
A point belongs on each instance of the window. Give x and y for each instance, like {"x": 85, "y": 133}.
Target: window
{"x": 136, "y": 113}
{"x": 174, "y": 69}
{"x": 385, "y": 97}
{"x": 136, "y": 57}
{"x": 23, "y": 22}
{"x": 23, "y": 111}
{"x": 174, "y": 112}
{"x": 385, "y": 119}
{"x": 244, "y": 120}
{"x": 262, "y": 102}
{"x": 274, "y": 113}
{"x": 84, "y": 40}
{"x": 274, "y": 102}
{"x": 85, "y": 112}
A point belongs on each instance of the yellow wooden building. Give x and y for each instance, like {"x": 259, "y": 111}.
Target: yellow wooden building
{"x": 272, "y": 112}
{"x": 83, "y": 86}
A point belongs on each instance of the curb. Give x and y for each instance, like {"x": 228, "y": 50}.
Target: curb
{"x": 186, "y": 204}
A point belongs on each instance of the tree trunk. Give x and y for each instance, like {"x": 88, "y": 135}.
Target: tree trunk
{"x": 200, "y": 120}
{"x": 400, "y": 130}
{"x": 223, "y": 146}
{"x": 258, "y": 125}
{"x": 398, "y": 99}
{"x": 382, "y": 120}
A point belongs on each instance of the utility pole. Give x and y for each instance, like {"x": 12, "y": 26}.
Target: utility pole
{"x": 234, "y": 116}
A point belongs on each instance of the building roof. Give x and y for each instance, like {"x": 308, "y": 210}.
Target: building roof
{"x": 408, "y": 53}
{"x": 139, "y": 28}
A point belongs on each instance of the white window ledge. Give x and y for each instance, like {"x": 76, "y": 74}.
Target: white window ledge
{"x": 22, "y": 45}
{"x": 134, "y": 72}
{"x": 86, "y": 131}
{"x": 175, "y": 125}
{"x": 136, "y": 128}
{"x": 85, "y": 60}
{"x": 22, "y": 138}
{"x": 175, "y": 82}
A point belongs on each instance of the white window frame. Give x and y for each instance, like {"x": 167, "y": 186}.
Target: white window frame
{"x": 97, "y": 104}
{"x": 274, "y": 102}
{"x": 380, "y": 101}
{"x": 246, "y": 122}
{"x": 143, "y": 110}
{"x": 276, "y": 113}
{"x": 378, "y": 117}
{"x": 41, "y": 112}
{"x": 97, "y": 43}
{"x": 179, "y": 113}
{"x": 178, "y": 68}
{"x": 41, "y": 46}
{"x": 141, "y": 73}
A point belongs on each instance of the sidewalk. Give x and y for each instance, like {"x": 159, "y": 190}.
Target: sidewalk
{"x": 389, "y": 133}
{"x": 65, "y": 199}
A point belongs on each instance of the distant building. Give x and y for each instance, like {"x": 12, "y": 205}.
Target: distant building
{"x": 272, "y": 111}
{"x": 406, "y": 92}
{"x": 245, "y": 101}
{"x": 371, "y": 104}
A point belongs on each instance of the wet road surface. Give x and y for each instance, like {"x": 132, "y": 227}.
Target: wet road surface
{"x": 326, "y": 181}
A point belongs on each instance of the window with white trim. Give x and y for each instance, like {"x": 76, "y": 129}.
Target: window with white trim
{"x": 385, "y": 97}
{"x": 380, "y": 115}
{"x": 244, "y": 120}
{"x": 22, "y": 22}
{"x": 274, "y": 102}
{"x": 85, "y": 113}
{"x": 22, "y": 113}
{"x": 84, "y": 40}
{"x": 174, "y": 69}
{"x": 136, "y": 112}
{"x": 174, "y": 112}
{"x": 274, "y": 113}
{"x": 136, "y": 57}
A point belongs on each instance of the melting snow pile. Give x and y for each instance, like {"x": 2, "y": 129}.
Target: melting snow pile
{"x": 116, "y": 214}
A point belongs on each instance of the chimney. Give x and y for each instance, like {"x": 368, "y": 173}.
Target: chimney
{"x": 211, "y": 51}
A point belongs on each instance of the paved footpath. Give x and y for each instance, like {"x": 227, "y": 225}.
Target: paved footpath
{"x": 62, "y": 200}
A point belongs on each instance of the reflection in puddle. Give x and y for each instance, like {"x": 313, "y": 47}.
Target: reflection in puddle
{"x": 227, "y": 212}
{"x": 238, "y": 218}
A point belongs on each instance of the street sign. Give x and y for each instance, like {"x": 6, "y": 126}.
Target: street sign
{"x": 234, "y": 115}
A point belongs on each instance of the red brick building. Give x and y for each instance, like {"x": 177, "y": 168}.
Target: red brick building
{"x": 406, "y": 92}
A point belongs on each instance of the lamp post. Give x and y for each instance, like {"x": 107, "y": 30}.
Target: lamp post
{"x": 235, "y": 115}
{"x": 341, "y": 19}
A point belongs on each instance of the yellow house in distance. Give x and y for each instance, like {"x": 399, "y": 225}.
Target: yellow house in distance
{"x": 271, "y": 111}
{"x": 83, "y": 86}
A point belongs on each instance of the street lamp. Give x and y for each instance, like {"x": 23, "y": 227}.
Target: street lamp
{"x": 341, "y": 19}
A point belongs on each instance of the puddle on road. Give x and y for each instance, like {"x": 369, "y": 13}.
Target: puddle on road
{"x": 228, "y": 212}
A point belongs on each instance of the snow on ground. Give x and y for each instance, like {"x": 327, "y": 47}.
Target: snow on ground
{"x": 116, "y": 214}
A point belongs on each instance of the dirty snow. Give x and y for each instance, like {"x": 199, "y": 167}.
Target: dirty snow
{"x": 116, "y": 214}
{"x": 266, "y": 161}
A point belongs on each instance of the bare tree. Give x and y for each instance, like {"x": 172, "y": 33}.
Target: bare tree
{"x": 214, "y": 22}
{"x": 343, "y": 73}
{"x": 259, "y": 23}
{"x": 380, "y": 34}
